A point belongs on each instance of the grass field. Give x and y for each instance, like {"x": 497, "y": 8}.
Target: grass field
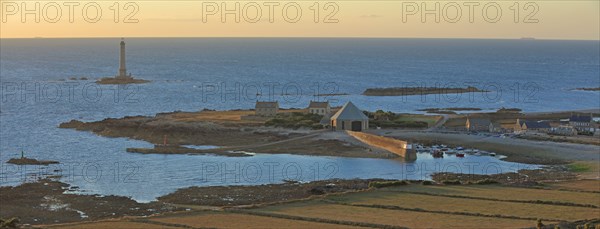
{"x": 234, "y": 220}
{"x": 450, "y": 204}
{"x": 113, "y": 225}
{"x": 506, "y": 193}
{"x": 222, "y": 116}
{"x": 583, "y": 185}
{"x": 413, "y": 206}
{"x": 411, "y": 219}
{"x": 579, "y": 167}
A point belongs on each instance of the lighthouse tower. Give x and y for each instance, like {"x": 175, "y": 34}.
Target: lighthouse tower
{"x": 122, "y": 70}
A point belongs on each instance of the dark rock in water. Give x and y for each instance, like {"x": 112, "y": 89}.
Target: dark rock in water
{"x": 29, "y": 161}
{"x": 406, "y": 91}
{"x": 113, "y": 80}
{"x": 587, "y": 89}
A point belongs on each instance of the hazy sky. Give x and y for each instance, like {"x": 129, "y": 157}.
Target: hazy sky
{"x": 550, "y": 19}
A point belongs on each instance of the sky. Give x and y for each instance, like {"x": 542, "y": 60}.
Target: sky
{"x": 506, "y": 19}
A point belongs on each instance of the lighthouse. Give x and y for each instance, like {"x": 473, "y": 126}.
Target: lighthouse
{"x": 122, "y": 76}
{"x": 122, "y": 70}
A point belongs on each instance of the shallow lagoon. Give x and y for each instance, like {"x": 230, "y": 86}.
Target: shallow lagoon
{"x": 146, "y": 177}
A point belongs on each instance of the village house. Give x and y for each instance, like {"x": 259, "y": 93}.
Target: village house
{"x": 349, "y": 118}
{"x": 320, "y": 108}
{"x": 564, "y": 130}
{"x": 583, "y": 123}
{"x": 478, "y": 124}
{"x": 518, "y": 126}
{"x": 537, "y": 126}
{"x": 497, "y": 127}
{"x": 266, "y": 108}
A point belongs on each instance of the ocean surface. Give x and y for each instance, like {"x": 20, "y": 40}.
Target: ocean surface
{"x": 226, "y": 73}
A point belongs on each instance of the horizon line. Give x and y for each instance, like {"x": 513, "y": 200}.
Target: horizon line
{"x": 311, "y": 37}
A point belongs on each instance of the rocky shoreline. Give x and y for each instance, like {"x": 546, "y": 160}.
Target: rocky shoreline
{"x": 186, "y": 128}
{"x": 158, "y": 149}
{"x": 45, "y": 201}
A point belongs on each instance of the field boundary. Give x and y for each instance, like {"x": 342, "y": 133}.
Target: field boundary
{"x": 544, "y": 202}
{"x": 564, "y": 190}
{"x": 398, "y": 208}
{"x": 147, "y": 221}
{"x": 317, "y": 220}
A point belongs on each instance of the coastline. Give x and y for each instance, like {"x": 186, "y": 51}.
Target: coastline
{"x": 228, "y": 131}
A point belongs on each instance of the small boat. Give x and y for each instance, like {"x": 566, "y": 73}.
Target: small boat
{"x": 437, "y": 154}
{"x": 460, "y": 148}
{"x": 460, "y": 155}
{"x": 493, "y": 154}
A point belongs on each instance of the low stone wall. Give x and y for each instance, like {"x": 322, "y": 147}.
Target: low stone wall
{"x": 399, "y": 147}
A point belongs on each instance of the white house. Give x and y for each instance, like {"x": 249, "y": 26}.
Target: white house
{"x": 320, "y": 108}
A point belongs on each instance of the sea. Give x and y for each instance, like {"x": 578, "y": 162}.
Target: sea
{"x": 45, "y": 82}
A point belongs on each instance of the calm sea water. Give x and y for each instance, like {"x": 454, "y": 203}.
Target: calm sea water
{"x": 192, "y": 74}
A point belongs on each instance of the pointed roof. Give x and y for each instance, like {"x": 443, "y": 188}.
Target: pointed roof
{"x": 349, "y": 112}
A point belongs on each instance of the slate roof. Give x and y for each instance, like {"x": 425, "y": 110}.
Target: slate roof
{"x": 349, "y": 112}
{"x": 580, "y": 118}
{"x": 314, "y": 104}
{"x": 266, "y": 104}
{"x": 537, "y": 125}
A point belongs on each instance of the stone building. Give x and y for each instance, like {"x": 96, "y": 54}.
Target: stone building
{"x": 349, "y": 117}
{"x": 477, "y": 124}
{"x": 266, "y": 108}
{"x": 583, "y": 123}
